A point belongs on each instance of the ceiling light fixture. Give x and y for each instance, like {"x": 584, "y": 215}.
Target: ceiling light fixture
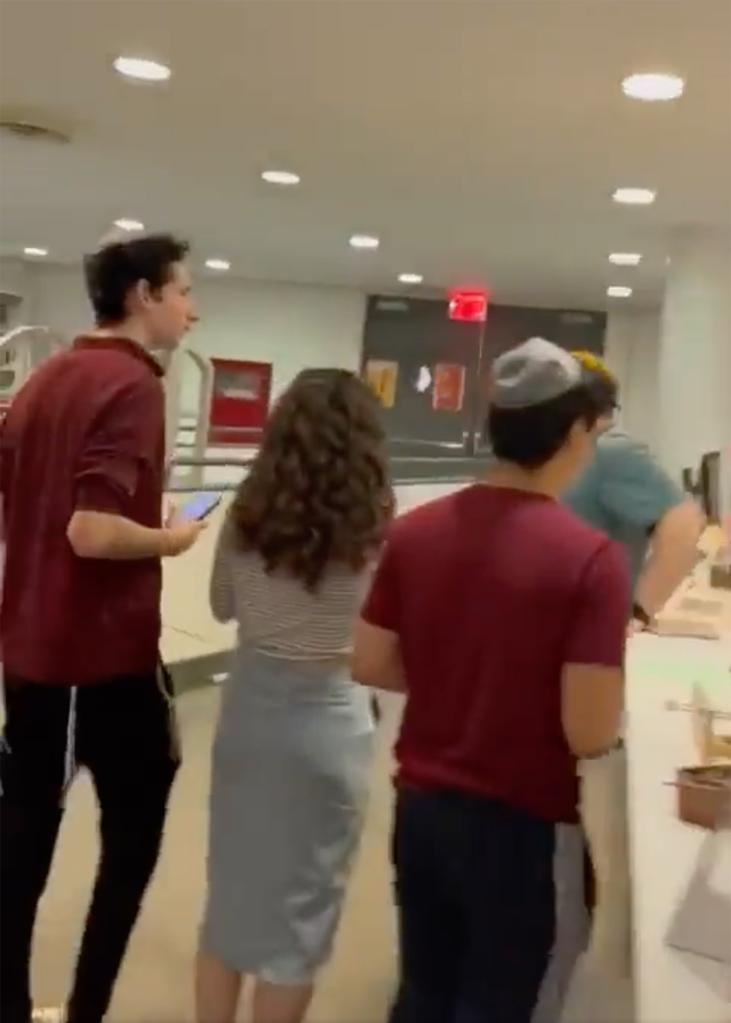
{"x": 33, "y": 250}
{"x": 410, "y": 278}
{"x": 634, "y": 196}
{"x": 653, "y": 87}
{"x": 125, "y": 224}
{"x": 218, "y": 264}
{"x": 141, "y": 69}
{"x": 281, "y": 177}
{"x": 625, "y": 258}
{"x": 619, "y": 291}
{"x": 364, "y": 241}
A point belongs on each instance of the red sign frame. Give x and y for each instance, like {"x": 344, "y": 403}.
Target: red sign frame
{"x": 240, "y": 401}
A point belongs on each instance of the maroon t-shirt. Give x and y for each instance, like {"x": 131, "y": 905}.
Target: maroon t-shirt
{"x": 85, "y": 432}
{"x": 491, "y": 591}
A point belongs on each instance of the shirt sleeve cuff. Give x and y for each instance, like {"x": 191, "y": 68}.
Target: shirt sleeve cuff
{"x": 100, "y": 495}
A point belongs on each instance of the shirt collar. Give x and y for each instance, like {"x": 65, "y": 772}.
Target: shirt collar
{"x": 121, "y": 344}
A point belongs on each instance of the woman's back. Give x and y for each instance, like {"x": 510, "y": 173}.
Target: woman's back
{"x": 307, "y": 522}
{"x": 276, "y": 614}
{"x": 294, "y": 740}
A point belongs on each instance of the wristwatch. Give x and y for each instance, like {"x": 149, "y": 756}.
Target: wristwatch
{"x": 640, "y": 615}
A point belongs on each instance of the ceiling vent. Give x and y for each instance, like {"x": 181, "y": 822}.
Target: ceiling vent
{"x": 576, "y": 318}
{"x": 33, "y": 127}
{"x": 392, "y": 305}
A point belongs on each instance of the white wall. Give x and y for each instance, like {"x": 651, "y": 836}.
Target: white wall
{"x": 13, "y": 283}
{"x": 632, "y": 353}
{"x": 294, "y": 326}
{"x": 289, "y": 325}
{"x": 695, "y": 356}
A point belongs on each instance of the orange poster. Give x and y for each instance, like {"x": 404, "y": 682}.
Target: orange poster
{"x": 449, "y": 384}
{"x": 382, "y": 377}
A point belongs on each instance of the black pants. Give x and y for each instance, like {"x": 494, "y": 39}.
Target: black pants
{"x": 491, "y": 910}
{"x": 122, "y": 731}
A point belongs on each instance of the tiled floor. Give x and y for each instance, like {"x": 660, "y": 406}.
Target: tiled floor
{"x": 156, "y": 984}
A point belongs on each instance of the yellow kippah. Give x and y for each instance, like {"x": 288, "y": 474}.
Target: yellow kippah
{"x": 594, "y": 364}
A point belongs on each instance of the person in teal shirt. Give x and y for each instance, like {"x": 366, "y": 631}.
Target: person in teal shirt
{"x": 627, "y": 495}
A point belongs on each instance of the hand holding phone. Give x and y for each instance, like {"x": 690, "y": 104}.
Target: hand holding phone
{"x": 184, "y": 525}
{"x": 198, "y": 507}
{"x": 180, "y": 537}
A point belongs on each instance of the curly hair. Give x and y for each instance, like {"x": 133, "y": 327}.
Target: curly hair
{"x": 602, "y": 383}
{"x": 319, "y": 490}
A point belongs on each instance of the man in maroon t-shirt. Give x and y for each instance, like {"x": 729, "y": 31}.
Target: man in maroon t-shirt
{"x": 81, "y": 477}
{"x": 503, "y": 618}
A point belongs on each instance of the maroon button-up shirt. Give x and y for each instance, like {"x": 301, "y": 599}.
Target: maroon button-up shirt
{"x": 85, "y": 432}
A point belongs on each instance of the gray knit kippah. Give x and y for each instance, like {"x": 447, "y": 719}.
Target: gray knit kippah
{"x": 534, "y": 372}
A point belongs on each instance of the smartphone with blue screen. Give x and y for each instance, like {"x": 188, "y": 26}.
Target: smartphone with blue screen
{"x": 198, "y": 507}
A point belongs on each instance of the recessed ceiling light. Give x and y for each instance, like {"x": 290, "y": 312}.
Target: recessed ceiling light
{"x": 129, "y": 225}
{"x": 634, "y": 196}
{"x": 653, "y": 87}
{"x": 32, "y": 250}
{"x": 625, "y": 258}
{"x": 218, "y": 264}
{"x": 410, "y": 278}
{"x": 280, "y": 177}
{"x": 141, "y": 69}
{"x": 364, "y": 241}
{"x": 619, "y": 291}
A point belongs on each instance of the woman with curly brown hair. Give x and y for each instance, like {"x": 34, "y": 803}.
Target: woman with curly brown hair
{"x": 293, "y": 747}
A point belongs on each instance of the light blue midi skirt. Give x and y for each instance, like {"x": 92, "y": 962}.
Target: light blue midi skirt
{"x": 291, "y": 763}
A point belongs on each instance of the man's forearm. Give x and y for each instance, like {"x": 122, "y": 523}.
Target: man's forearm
{"x": 672, "y": 556}
{"x": 389, "y": 682}
{"x": 378, "y": 674}
{"x": 115, "y": 538}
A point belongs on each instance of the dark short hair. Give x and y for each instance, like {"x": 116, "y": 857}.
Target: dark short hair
{"x": 531, "y": 437}
{"x": 604, "y": 390}
{"x": 600, "y": 380}
{"x": 115, "y": 269}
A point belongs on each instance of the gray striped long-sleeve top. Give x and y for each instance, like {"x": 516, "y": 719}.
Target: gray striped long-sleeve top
{"x": 276, "y": 614}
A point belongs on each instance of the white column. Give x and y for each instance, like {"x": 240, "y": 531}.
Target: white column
{"x": 639, "y": 400}
{"x": 618, "y": 344}
{"x": 631, "y": 352}
{"x": 694, "y": 365}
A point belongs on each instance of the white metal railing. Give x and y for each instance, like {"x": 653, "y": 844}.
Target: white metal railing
{"x": 174, "y": 364}
{"x": 21, "y": 350}
{"x": 203, "y": 419}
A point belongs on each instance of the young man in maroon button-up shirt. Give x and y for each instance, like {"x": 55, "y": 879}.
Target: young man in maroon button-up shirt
{"x": 81, "y": 478}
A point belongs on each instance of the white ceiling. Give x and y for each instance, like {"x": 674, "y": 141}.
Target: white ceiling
{"x": 480, "y": 140}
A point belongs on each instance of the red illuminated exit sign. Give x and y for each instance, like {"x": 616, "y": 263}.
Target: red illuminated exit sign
{"x": 468, "y": 306}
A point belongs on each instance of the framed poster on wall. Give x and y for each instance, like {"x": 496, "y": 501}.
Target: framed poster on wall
{"x": 449, "y": 386}
{"x": 240, "y": 403}
{"x": 382, "y": 377}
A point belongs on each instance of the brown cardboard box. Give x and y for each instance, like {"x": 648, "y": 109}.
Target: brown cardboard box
{"x": 702, "y": 794}
{"x": 721, "y": 577}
